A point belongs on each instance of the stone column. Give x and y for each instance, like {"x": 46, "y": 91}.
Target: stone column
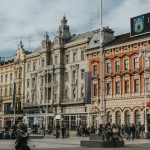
{"x": 113, "y": 117}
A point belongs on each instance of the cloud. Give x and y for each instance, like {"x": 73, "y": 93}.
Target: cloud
{"x": 32, "y": 18}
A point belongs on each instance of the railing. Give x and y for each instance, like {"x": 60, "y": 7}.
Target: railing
{"x": 74, "y": 100}
{"x": 28, "y": 104}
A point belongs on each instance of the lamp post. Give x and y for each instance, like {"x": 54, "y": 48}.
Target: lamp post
{"x": 46, "y": 119}
{"x": 101, "y": 104}
{"x": 143, "y": 55}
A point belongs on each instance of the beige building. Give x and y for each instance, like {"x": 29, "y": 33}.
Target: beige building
{"x": 12, "y": 70}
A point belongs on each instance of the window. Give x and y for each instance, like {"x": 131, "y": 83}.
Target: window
{"x": 147, "y": 84}
{"x": 34, "y": 66}
{"x": 10, "y": 76}
{"x": 126, "y": 64}
{"x": 126, "y": 84}
{"x": 74, "y": 57}
{"x": 6, "y": 78}
{"x": 10, "y": 91}
{"x": 67, "y": 58}
{"x": 118, "y": 87}
{"x": 66, "y": 76}
{"x": 33, "y": 82}
{"x": 56, "y": 59}
{"x": 95, "y": 90}
{"x": 117, "y": 66}
{"x": 109, "y": 117}
{"x": 136, "y": 85}
{"x": 108, "y": 67}
{"x": 1, "y": 78}
{"x": 73, "y": 75}
{"x": 118, "y": 117}
{"x": 95, "y": 70}
{"x": 66, "y": 92}
{"x": 147, "y": 62}
{"x": 74, "y": 93}
{"x": 137, "y": 117}
{"x": 43, "y": 62}
{"x": 82, "y": 91}
{"x": 28, "y": 67}
{"x": 55, "y": 77}
{"x": 19, "y": 90}
{"x": 28, "y": 83}
{"x": 127, "y": 117}
{"x": 108, "y": 88}
{"x": 82, "y": 73}
{"x": 5, "y": 91}
{"x": 136, "y": 63}
{"x": 82, "y": 55}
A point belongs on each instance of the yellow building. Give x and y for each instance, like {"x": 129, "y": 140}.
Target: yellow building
{"x": 12, "y": 70}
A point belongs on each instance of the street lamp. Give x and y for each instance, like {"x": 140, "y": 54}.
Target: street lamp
{"x": 101, "y": 105}
{"x": 143, "y": 52}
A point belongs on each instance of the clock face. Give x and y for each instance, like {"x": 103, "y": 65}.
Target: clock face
{"x": 138, "y": 24}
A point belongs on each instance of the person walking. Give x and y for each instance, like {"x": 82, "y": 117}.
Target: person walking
{"x": 21, "y": 139}
{"x": 133, "y": 130}
{"x": 63, "y": 131}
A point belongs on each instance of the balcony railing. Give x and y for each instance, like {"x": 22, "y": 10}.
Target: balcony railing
{"x": 73, "y": 100}
{"x": 30, "y": 104}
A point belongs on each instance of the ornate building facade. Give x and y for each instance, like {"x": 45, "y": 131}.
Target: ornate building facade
{"x": 55, "y": 81}
{"x": 124, "y": 79}
{"x": 12, "y": 70}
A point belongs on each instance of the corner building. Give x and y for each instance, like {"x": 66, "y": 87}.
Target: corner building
{"x": 12, "y": 70}
{"x": 123, "y": 79}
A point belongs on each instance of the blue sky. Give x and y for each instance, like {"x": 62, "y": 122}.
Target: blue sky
{"x": 32, "y": 18}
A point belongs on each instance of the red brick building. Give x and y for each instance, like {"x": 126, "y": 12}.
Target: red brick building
{"x": 124, "y": 78}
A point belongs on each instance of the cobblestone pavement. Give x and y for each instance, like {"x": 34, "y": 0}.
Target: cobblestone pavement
{"x": 72, "y": 143}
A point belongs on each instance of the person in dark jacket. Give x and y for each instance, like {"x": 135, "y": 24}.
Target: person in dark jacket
{"x": 133, "y": 130}
{"x": 22, "y": 138}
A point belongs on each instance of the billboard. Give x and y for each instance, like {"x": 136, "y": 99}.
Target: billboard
{"x": 140, "y": 25}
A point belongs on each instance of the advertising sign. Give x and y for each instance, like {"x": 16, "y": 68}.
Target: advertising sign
{"x": 140, "y": 25}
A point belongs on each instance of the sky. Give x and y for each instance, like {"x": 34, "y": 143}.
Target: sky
{"x": 30, "y": 19}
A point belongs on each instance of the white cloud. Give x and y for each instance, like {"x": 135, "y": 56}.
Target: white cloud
{"x": 31, "y": 18}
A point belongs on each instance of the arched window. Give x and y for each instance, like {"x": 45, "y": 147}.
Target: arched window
{"x": 127, "y": 117}
{"x": 82, "y": 91}
{"x": 66, "y": 92}
{"x": 10, "y": 91}
{"x": 109, "y": 117}
{"x": 137, "y": 117}
{"x": 5, "y": 91}
{"x": 118, "y": 117}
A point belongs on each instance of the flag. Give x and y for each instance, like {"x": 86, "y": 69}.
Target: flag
{"x": 14, "y": 96}
{"x": 88, "y": 80}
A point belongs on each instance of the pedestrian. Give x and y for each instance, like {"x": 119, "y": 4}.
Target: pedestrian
{"x": 22, "y": 137}
{"x": 128, "y": 131}
{"x": 63, "y": 131}
{"x": 133, "y": 130}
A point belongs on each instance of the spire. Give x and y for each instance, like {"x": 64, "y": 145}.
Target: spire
{"x": 46, "y": 42}
{"x": 64, "y": 21}
{"x": 20, "y": 45}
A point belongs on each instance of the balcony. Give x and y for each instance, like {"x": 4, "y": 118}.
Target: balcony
{"x": 17, "y": 111}
{"x": 49, "y": 102}
{"x": 30, "y": 104}
{"x": 73, "y": 101}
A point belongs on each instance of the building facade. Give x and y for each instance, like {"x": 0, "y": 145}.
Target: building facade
{"x": 12, "y": 71}
{"x": 123, "y": 79}
{"x": 55, "y": 80}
